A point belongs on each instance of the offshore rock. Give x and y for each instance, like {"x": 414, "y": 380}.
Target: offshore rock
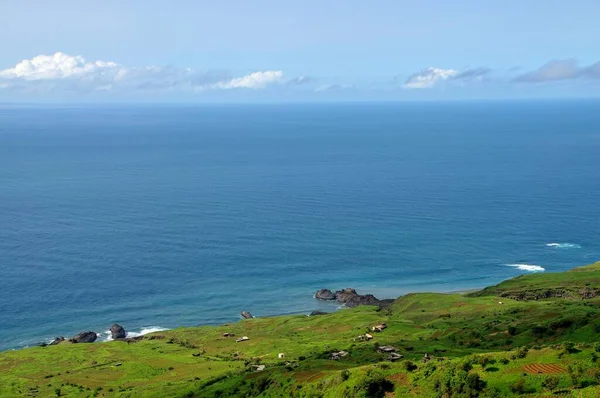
{"x": 117, "y": 332}
{"x": 246, "y": 315}
{"x": 84, "y": 337}
{"x": 325, "y": 294}
{"x": 57, "y": 340}
{"x": 349, "y": 297}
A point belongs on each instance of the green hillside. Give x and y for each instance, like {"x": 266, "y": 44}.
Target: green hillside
{"x": 536, "y": 335}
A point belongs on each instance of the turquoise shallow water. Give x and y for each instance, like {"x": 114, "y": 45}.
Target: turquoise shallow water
{"x": 160, "y": 216}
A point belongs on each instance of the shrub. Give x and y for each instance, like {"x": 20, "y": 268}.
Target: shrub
{"x": 550, "y": 383}
{"x": 522, "y": 352}
{"x": 345, "y": 374}
{"x": 466, "y": 365}
{"x": 474, "y": 384}
{"x": 512, "y": 330}
{"x": 562, "y": 323}
{"x": 539, "y": 331}
{"x": 518, "y": 387}
{"x": 409, "y": 366}
{"x": 373, "y": 385}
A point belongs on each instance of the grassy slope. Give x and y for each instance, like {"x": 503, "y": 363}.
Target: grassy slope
{"x": 200, "y": 362}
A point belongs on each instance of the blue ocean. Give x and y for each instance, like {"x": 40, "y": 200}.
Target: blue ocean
{"x": 158, "y": 216}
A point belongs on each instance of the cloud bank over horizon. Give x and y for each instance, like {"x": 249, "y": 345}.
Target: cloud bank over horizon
{"x": 63, "y": 71}
{"x": 73, "y": 74}
{"x": 556, "y": 70}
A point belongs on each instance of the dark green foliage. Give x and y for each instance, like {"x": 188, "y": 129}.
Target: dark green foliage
{"x": 345, "y": 374}
{"x": 518, "y": 387}
{"x": 456, "y": 382}
{"x": 409, "y": 366}
{"x": 550, "y": 383}
{"x": 374, "y": 385}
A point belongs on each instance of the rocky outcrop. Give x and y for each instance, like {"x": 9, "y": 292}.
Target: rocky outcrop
{"x": 246, "y": 315}
{"x": 585, "y": 293}
{"x": 349, "y": 297}
{"x": 317, "y": 312}
{"x": 325, "y": 294}
{"x": 589, "y": 293}
{"x": 84, "y": 337}
{"x": 117, "y": 332}
{"x": 57, "y": 340}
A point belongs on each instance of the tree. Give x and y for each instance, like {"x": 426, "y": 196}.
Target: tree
{"x": 474, "y": 384}
{"x": 409, "y": 366}
{"x": 550, "y": 383}
{"x": 518, "y": 387}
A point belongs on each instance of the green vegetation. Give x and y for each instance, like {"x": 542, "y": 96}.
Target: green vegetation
{"x": 507, "y": 340}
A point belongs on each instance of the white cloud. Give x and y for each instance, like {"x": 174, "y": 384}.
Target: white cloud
{"x": 565, "y": 69}
{"x": 68, "y": 72}
{"x": 57, "y": 66}
{"x": 253, "y": 80}
{"x": 333, "y": 87}
{"x": 429, "y": 77}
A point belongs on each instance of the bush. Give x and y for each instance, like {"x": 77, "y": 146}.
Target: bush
{"x": 474, "y": 384}
{"x": 539, "y": 331}
{"x": 466, "y": 365}
{"x": 373, "y": 385}
{"x": 455, "y": 382}
{"x": 522, "y": 352}
{"x": 518, "y": 387}
{"x": 345, "y": 374}
{"x": 561, "y": 324}
{"x": 550, "y": 383}
{"x": 409, "y": 366}
{"x": 512, "y": 330}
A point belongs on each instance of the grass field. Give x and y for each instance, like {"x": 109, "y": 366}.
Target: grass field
{"x": 512, "y": 339}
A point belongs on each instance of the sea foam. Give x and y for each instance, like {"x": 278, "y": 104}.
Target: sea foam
{"x": 106, "y": 335}
{"x": 527, "y": 267}
{"x": 564, "y": 245}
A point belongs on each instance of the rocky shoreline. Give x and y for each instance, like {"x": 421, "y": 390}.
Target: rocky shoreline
{"x": 349, "y": 297}
{"x": 117, "y": 332}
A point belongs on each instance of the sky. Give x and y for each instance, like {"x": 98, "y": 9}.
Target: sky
{"x": 261, "y": 50}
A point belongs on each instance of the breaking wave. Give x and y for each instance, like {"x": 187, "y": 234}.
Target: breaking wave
{"x": 527, "y": 267}
{"x": 106, "y": 335}
{"x": 564, "y": 245}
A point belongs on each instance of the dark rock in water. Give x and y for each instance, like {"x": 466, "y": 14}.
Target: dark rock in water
{"x": 325, "y": 294}
{"x": 349, "y": 297}
{"x": 84, "y": 337}
{"x": 57, "y": 340}
{"x": 117, "y": 332}
{"x": 246, "y": 315}
{"x": 367, "y": 299}
{"x": 343, "y": 296}
{"x": 318, "y": 313}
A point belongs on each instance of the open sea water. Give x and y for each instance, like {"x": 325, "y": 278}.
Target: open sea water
{"x": 163, "y": 216}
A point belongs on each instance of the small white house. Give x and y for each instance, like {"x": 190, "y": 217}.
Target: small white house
{"x": 281, "y": 355}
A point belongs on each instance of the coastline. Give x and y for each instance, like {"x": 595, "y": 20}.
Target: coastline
{"x": 104, "y": 336}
